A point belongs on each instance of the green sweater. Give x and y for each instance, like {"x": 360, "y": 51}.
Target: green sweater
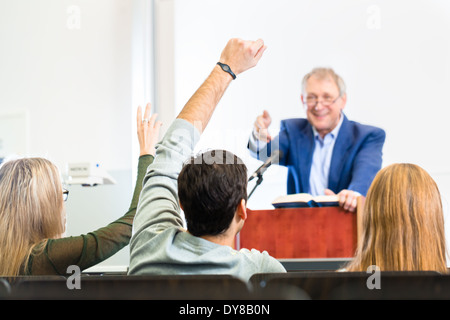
{"x": 89, "y": 249}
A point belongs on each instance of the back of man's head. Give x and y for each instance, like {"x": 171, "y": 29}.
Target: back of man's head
{"x": 210, "y": 188}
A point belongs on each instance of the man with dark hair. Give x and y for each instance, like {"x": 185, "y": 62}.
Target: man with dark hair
{"x": 212, "y": 191}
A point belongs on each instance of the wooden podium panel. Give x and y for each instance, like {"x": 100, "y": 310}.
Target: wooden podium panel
{"x": 327, "y": 232}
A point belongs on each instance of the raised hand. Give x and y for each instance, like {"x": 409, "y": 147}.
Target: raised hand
{"x": 262, "y": 124}
{"x": 147, "y": 130}
{"x": 241, "y": 55}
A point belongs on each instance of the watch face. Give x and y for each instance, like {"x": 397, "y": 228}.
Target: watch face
{"x": 226, "y": 68}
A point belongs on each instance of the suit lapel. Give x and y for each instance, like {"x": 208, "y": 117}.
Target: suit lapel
{"x": 341, "y": 146}
{"x": 305, "y": 150}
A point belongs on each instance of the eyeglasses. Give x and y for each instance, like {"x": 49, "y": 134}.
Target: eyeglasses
{"x": 311, "y": 102}
{"x": 65, "y": 194}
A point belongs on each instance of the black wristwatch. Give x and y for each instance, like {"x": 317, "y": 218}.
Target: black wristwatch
{"x": 227, "y": 68}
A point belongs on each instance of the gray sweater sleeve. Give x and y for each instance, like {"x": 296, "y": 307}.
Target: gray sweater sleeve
{"x": 158, "y": 207}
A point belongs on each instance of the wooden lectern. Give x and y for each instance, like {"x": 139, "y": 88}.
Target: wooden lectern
{"x": 320, "y": 232}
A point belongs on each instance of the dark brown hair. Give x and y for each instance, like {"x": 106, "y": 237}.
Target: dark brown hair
{"x": 210, "y": 187}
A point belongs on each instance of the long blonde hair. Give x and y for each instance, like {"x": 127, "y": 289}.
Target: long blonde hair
{"x": 403, "y": 223}
{"x": 31, "y": 211}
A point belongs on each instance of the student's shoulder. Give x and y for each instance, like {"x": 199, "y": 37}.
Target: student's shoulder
{"x": 263, "y": 260}
{"x": 253, "y": 255}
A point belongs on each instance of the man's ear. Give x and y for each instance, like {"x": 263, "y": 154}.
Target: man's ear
{"x": 242, "y": 210}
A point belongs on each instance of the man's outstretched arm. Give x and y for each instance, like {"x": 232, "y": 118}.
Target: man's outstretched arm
{"x": 158, "y": 208}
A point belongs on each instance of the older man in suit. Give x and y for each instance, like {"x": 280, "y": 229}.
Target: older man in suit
{"x": 325, "y": 153}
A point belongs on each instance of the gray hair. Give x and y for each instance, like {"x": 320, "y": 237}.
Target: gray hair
{"x": 323, "y": 73}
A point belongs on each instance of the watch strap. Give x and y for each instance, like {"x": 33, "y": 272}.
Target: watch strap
{"x": 227, "y": 69}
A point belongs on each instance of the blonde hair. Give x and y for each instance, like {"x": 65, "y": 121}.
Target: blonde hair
{"x": 403, "y": 223}
{"x": 31, "y": 211}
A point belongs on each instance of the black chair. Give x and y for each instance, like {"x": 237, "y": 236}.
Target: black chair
{"x": 158, "y": 287}
{"x": 5, "y": 289}
{"x": 357, "y": 285}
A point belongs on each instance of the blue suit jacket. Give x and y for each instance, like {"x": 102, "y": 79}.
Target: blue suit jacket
{"x": 357, "y": 155}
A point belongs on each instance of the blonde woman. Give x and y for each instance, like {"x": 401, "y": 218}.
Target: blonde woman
{"x": 403, "y": 223}
{"x": 32, "y": 215}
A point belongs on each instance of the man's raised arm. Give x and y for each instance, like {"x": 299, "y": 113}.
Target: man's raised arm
{"x": 239, "y": 55}
{"x": 158, "y": 204}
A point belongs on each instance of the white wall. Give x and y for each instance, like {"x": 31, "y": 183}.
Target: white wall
{"x": 74, "y": 79}
{"x": 69, "y": 66}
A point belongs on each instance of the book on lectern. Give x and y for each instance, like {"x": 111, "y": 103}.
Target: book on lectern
{"x": 305, "y": 200}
